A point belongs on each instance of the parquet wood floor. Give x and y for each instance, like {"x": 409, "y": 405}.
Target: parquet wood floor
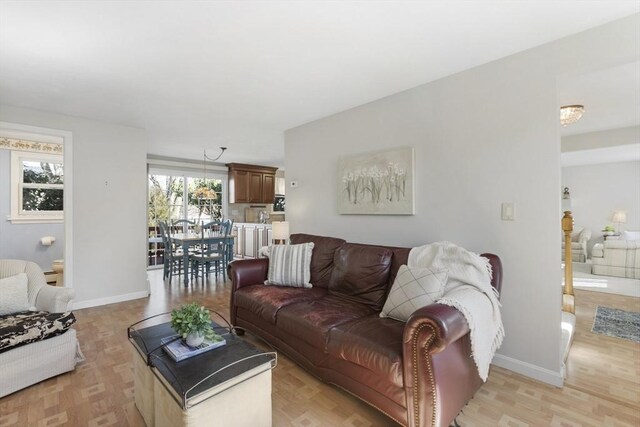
{"x": 602, "y": 388}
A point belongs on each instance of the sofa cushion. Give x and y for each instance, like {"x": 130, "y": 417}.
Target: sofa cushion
{"x": 370, "y": 342}
{"x": 361, "y": 274}
{"x": 289, "y": 265}
{"x": 631, "y": 235}
{"x": 413, "y": 288}
{"x": 265, "y": 301}
{"x": 311, "y": 321}
{"x": 30, "y": 326}
{"x": 322, "y": 257}
{"x": 14, "y": 294}
{"x": 398, "y": 259}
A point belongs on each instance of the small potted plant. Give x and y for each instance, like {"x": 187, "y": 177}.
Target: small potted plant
{"x": 609, "y": 230}
{"x": 193, "y": 322}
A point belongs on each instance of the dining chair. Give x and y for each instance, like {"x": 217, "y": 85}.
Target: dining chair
{"x": 206, "y": 229}
{"x": 211, "y": 253}
{"x": 212, "y": 226}
{"x": 228, "y": 225}
{"x": 228, "y": 228}
{"x": 172, "y": 256}
{"x": 186, "y": 225}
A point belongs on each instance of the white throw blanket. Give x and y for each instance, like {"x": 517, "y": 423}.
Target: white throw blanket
{"x": 469, "y": 290}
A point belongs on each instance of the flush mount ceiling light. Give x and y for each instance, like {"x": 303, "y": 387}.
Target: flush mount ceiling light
{"x": 570, "y": 114}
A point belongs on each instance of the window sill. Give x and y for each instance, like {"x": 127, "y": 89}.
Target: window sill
{"x": 35, "y": 219}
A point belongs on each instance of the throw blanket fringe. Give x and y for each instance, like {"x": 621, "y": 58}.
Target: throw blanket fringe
{"x": 469, "y": 290}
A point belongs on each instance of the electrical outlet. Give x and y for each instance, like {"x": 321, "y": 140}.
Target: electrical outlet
{"x": 508, "y": 211}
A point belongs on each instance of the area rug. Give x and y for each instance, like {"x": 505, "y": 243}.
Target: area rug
{"x": 617, "y": 323}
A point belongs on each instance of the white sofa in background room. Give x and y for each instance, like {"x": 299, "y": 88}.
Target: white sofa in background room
{"x": 579, "y": 239}
{"x": 620, "y": 258}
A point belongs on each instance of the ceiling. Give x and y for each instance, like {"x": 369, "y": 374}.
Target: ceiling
{"x": 611, "y": 98}
{"x": 201, "y": 75}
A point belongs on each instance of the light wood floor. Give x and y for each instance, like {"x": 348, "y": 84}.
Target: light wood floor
{"x": 602, "y": 388}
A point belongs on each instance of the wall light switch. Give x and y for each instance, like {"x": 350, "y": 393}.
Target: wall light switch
{"x": 508, "y": 211}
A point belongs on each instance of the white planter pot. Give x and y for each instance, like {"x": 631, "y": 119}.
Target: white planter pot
{"x": 194, "y": 339}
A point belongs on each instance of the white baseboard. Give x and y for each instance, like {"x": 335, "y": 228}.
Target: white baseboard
{"x": 529, "y": 370}
{"x": 77, "y": 305}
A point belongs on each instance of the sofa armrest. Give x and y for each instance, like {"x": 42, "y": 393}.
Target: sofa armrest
{"x": 429, "y": 330}
{"x": 446, "y": 322}
{"x": 584, "y": 237}
{"x": 54, "y": 299}
{"x": 246, "y": 272}
{"x": 598, "y": 250}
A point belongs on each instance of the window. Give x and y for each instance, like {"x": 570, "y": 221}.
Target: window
{"x": 37, "y": 184}
{"x": 169, "y": 200}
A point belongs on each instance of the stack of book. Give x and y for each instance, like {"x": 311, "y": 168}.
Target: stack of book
{"x": 179, "y": 350}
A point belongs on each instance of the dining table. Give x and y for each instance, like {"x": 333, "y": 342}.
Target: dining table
{"x": 186, "y": 240}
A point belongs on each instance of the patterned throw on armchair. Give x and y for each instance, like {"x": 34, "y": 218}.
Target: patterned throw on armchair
{"x": 579, "y": 239}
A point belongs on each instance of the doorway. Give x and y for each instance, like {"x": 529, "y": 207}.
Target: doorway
{"x": 36, "y": 165}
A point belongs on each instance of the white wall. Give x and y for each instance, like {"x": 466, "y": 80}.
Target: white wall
{"x": 481, "y": 137}
{"x": 598, "y": 190}
{"x": 109, "y": 204}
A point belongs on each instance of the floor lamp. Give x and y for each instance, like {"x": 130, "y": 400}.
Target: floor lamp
{"x": 568, "y": 299}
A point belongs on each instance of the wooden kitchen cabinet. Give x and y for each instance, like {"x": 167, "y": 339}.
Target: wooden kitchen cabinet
{"x": 239, "y": 186}
{"x": 251, "y": 183}
{"x": 256, "y": 185}
{"x": 268, "y": 188}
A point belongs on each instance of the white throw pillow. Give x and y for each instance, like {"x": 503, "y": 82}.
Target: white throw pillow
{"x": 413, "y": 288}
{"x": 290, "y": 265}
{"x": 14, "y": 295}
{"x": 631, "y": 235}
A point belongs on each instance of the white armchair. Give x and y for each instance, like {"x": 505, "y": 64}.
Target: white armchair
{"x": 579, "y": 239}
{"x": 28, "y": 364}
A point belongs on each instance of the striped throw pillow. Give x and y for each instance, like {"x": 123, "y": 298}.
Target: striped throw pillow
{"x": 290, "y": 265}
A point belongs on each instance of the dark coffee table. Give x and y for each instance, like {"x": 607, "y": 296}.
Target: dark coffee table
{"x": 208, "y": 389}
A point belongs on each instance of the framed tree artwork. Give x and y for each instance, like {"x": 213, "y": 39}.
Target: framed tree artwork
{"x": 377, "y": 183}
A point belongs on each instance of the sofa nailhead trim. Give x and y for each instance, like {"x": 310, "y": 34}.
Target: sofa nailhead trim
{"x": 416, "y": 387}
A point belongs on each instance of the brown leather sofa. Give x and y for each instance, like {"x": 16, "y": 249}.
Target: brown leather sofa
{"x": 419, "y": 374}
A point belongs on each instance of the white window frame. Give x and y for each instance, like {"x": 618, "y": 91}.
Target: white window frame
{"x": 18, "y": 215}
{"x": 221, "y": 174}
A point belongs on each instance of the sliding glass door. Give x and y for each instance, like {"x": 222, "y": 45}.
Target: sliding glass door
{"x": 174, "y": 195}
